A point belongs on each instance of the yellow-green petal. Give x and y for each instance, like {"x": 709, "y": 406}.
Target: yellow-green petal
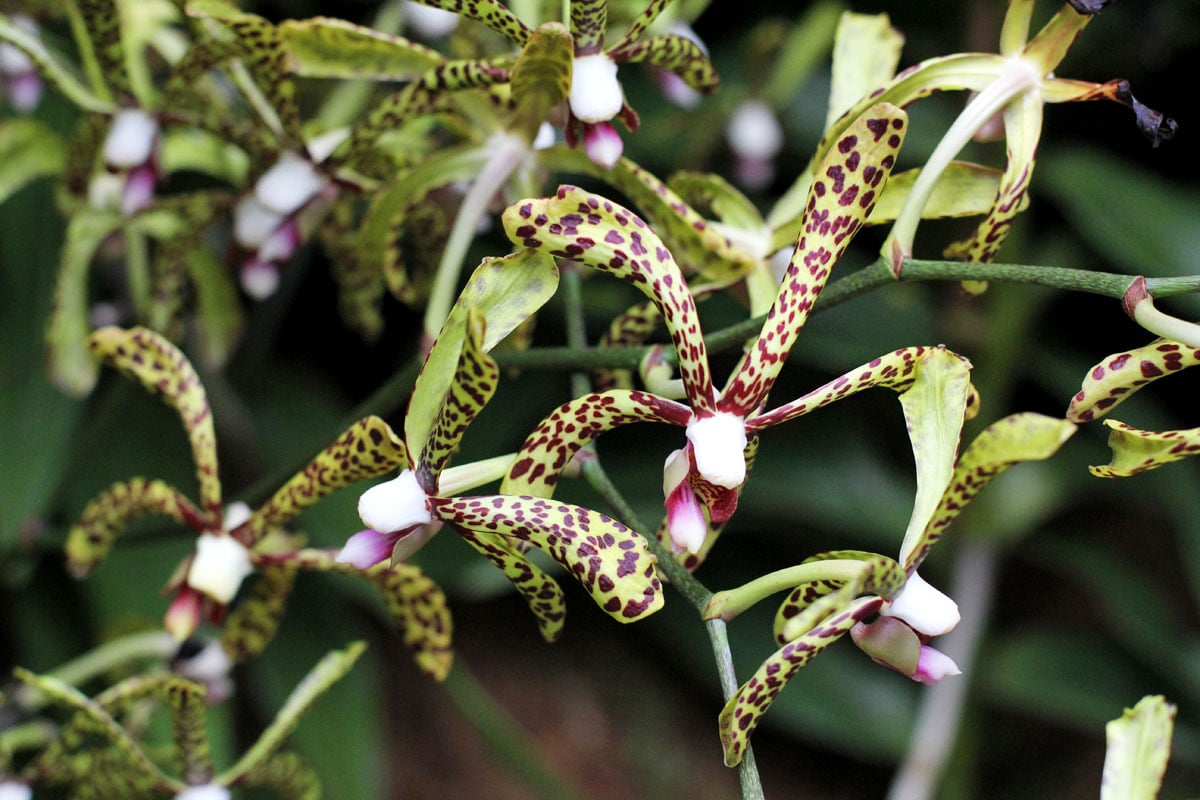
{"x": 1135, "y": 451}
{"x": 326, "y": 47}
{"x": 1118, "y": 376}
{"x": 1139, "y": 744}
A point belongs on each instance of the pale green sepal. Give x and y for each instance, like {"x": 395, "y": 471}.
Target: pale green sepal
{"x": 962, "y": 190}
{"x": 866, "y": 52}
{"x": 612, "y": 562}
{"x": 1139, "y": 744}
{"x": 706, "y": 190}
{"x": 195, "y": 150}
{"x": 72, "y": 368}
{"x": 328, "y": 671}
{"x": 802, "y": 53}
{"x": 29, "y": 149}
{"x": 165, "y": 372}
{"x": 1135, "y": 451}
{"x": 55, "y": 74}
{"x": 935, "y": 407}
{"x": 541, "y": 77}
{"x": 1008, "y": 441}
{"x": 506, "y": 291}
{"x": 1120, "y": 375}
{"x": 325, "y": 47}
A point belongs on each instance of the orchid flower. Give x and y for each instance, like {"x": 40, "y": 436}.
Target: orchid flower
{"x": 94, "y": 740}
{"x": 1117, "y": 378}
{"x": 707, "y": 473}
{"x": 889, "y": 610}
{"x": 21, "y": 82}
{"x": 230, "y": 545}
{"x": 1016, "y": 83}
{"x": 596, "y": 97}
{"x": 458, "y": 379}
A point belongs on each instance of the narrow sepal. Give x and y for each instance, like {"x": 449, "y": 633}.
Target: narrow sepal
{"x": 589, "y": 21}
{"x": 745, "y": 708}
{"x": 102, "y": 22}
{"x": 164, "y": 371}
{"x": 543, "y": 596}
{"x": 251, "y": 626}
{"x": 328, "y": 671}
{"x": 185, "y": 699}
{"x": 1118, "y": 376}
{"x": 506, "y": 291}
{"x": 550, "y": 447}
{"x": 611, "y": 562}
{"x": 630, "y": 328}
{"x": 369, "y": 448}
{"x": 673, "y": 53}
{"x": 1008, "y": 441}
{"x": 1136, "y": 451}
{"x": 842, "y": 196}
{"x": 475, "y": 381}
{"x": 57, "y": 75}
{"x": 491, "y": 13}
{"x": 107, "y": 514}
{"x": 541, "y": 78}
{"x": 287, "y": 774}
{"x": 592, "y": 230}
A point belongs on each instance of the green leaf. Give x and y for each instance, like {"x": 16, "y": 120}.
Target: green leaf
{"x": 326, "y": 673}
{"x": 505, "y": 291}
{"x": 29, "y": 149}
{"x": 325, "y": 47}
{"x": 1139, "y": 744}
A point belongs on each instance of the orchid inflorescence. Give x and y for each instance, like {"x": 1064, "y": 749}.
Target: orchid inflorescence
{"x": 368, "y": 181}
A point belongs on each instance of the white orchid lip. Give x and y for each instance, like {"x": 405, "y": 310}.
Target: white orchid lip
{"x": 131, "y": 138}
{"x": 15, "y": 791}
{"x": 926, "y": 609}
{"x": 596, "y": 94}
{"x": 289, "y": 184}
{"x": 220, "y": 565}
{"x": 754, "y": 132}
{"x": 393, "y": 506}
{"x": 209, "y": 791}
{"x": 719, "y": 444}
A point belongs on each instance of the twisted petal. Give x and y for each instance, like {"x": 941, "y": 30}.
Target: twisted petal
{"x": 107, "y": 514}
{"x": 1118, "y": 376}
{"x": 491, "y": 13}
{"x": 367, "y": 449}
{"x": 163, "y": 370}
{"x": 594, "y": 231}
{"x": 841, "y": 197}
{"x": 251, "y": 626}
{"x": 1136, "y": 451}
{"x": 673, "y": 53}
{"x": 572, "y": 425}
{"x": 607, "y": 558}
{"x": 325, "y": 47}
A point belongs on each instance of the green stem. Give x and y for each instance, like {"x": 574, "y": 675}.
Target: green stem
{"x": 747, "y": 769}
{"x": 728, "y": 604}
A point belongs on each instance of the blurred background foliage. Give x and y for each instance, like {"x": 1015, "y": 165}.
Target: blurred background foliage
{"x": 1084, "y": 592}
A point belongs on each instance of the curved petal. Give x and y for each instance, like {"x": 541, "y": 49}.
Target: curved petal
{"x": 1136, "y": 451}
{"x": 1120, "y": 375}
{"x": 251, "y": 626}
{"x": 841, "y": 197}
{"x": 611, "y": 561}
{"x": 589, "y": 21}
{"x": 541, "y": 593}
{"x": 673, "y": 53}
{"x": 164, "y": 371}
{"x": 109, "y": 512}
{"x": 597, "y": 232}
{"x": 325, "y": 47}
{"x": 548, "y": 450}
{"x": 367, "y": 449}
{"x": 491, "y": 13}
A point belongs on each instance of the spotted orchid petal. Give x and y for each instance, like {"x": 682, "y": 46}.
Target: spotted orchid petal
{"x": 491, "y": 13}
{"x": 550, "y": 447}
{"x": 643, "y": 21}
{"x": 592, "y": 230}
{"x": 102, "y": 24}
{"x": 541, "y": 78}
{"x": 611, "y": 562}
{"x": 1136, "y": 451}
{"x": 1008, "y": 441}
{"x": 841, "y": 197}
{"x": 325, "y": 47}
{"x": 1120, "y": 375}
{"x": 252, "y": 624}
{"x": 164, "y": 371}
{"x": 107, "y": 514}
{"x": 809, "y": 601}
{"x": 589, "y": 21}
{"x": 369, "y": 448}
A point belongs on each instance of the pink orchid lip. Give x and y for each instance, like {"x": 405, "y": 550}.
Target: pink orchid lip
{"x": 602, "y": 143}
{"x": 367, "y": 548}
{"x": 933, "y": 665}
